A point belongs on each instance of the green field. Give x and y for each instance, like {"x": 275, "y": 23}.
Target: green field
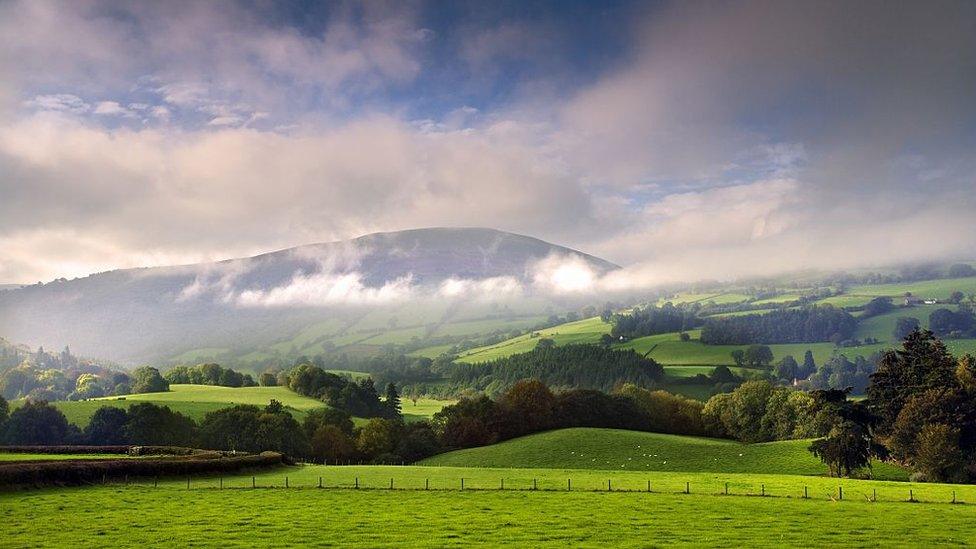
{"x": 587, "y": 330}
{"x": 938, "y": 289}
{"x": 196, "y": 401}
{"x": 612, "y": 449}
{"x": 409, "y": 516}
{"x": 668, "y": 349}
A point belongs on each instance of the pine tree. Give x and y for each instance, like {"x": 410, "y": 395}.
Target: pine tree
{"x": 393, "y": 401}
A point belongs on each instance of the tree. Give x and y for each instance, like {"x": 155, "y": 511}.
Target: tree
{"x": 148, "y": 380}
{"x": 787, "y": 368}
{"x": 938, "y": 456}
{"x": 37, "y": 423}
{"x": 153, "y": 425}
{"x": 758, "y": 356}
{"x": 809, "y": 366}
{"x": 330, "y": 443}
{"x": 545, "y": 343}
{"x": 606, "y": 340}
{"x": 904, "y": 326}
{"x": 107, "y": 426}
{"x": 532, "y": 403}
{"x": 956, "y": 297}
{"x": 961, "y": 270}
{"x": 268, "y": 379}
{"x": 877, "y": 306}
{"x": 328, "y": 416}
{"x": 739, "y": 356}
{"x": 845, "y": 449}
{"x": 4, "y": 412}
{"x": 378, "y": 437}
{"x": 392, "y": 401}
{"x": 922, "y": 363}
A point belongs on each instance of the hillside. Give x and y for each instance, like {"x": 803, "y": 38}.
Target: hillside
{"x": 680, "y": 357}
{"x": 301, "y": 300}
{"x": 616, "y": 450}
{"x": 195, "y": 401}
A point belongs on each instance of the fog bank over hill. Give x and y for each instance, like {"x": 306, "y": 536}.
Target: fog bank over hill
{"x": 151, "y": 312}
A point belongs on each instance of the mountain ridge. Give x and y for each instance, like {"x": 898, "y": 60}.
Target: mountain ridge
{"x": 148, "y": 312}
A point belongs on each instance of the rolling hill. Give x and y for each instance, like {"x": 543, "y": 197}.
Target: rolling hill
{"x": 196, "y": 401}
{"x": 303, "y": 300}
{"x": 616, "y": 450}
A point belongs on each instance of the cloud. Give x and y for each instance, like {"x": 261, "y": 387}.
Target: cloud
{"x": 61, "y": 102}
{"x": 721, "y": 141}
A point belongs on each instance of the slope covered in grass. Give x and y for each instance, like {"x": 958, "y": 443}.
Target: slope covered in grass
{"x": 194, "y": 401}
{"x": 587, "y": 330}
{"x": 612, "y": 449}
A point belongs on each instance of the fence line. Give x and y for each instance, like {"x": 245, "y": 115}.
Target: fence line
{"x": 208, "y": 484}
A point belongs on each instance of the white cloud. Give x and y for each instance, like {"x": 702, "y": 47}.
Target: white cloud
{"x": 112, "y": 108}
{"x": 63, "y": 102}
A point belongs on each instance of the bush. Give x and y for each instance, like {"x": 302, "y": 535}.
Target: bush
{"x": 45, "y": 473}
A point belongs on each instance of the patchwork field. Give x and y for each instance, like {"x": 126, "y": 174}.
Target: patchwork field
{"x": 196, "y": 401}
{"x": 587, "y": 330}
{"x": 612, "y": 449}
{"x": 409, "y": 516}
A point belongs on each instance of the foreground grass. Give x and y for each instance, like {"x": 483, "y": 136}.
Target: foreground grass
{"x": 617, "y": 450}
{"x": 170, "y": 515}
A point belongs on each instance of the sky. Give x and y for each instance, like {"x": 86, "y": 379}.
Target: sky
{"x": 681, "y": 140}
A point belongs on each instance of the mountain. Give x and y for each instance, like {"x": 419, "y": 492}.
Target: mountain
{"x": 383, "y": 282}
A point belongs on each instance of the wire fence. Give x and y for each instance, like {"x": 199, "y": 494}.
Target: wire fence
{"x": 481, "y": 484}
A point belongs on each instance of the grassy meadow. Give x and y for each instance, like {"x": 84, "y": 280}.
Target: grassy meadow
{"x": 482, "y": 515}
{"x": 587, "y": 330}
{"x": 611, "y": 449}
{"x": 196, "y": 401}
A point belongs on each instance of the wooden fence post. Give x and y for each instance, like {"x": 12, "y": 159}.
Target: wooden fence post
{"x": 911, "y": 495}
{"x": 805, "y": 495}
{"x": 762, "y": 490}
{"x": 609, "y": 488}
{"x": 569, "y": 485}
{"x": 187, "y": 483}
{"x": 221, "y": 483}
{"x": 320, "y": 482}
{"x": 286, "y": 481}
{"x": 648, "y": 487}
{"x": 687, "y": 487}
{"x": 357, "y": 483}
{"x": 462, "y": 483}
{"x": 252, "y": 482}
{"x": 391, "y": 483}
{"x": 840, "y": 492}
{"x": 534, "y": 486}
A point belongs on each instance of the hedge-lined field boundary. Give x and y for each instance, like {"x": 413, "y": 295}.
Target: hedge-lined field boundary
{"x": 24, "y": 474}
{"x": 119, "y": 449}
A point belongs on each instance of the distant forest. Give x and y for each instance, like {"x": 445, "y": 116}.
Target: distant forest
{"x": 576, "y": 366}
{"x": 807, "y": 325}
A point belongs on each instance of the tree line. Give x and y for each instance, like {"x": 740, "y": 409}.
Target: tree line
{"x": 812, "y": 324}
{"x": 577, "y": 366}
{"x": 209, "y": 374}
{"x": 651, "y": 320}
